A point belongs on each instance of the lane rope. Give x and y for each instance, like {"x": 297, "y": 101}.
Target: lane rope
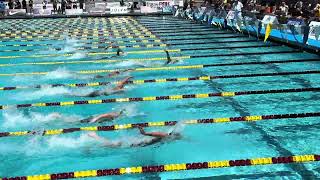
{"x": 32, "y": 39}
{"x": 116, "y": 127}
{"x": 199, "y": 78}
{"x": 161, "y": 98}
{"x": 88, "y": 54}
{"x": 305, "y": 158}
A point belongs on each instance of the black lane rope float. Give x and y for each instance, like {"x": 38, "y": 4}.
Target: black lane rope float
{"x": 201, "y": 66}
{"x": 161, "y": 98}
{"x": 205, "y": 121}
{"x": 105, "y": 47}
{"x": 135, "y": 52}
{"x": 181, "y": 79}
{"x": 46, "y": 63}
{"x": 156, "y": 168}
{"x": 107, "y": 41}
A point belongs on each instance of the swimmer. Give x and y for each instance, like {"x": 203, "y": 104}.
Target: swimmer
{"x": 155, "y": 137}
{"x": 121, "y": 84}
{"x": 169, "y": 60}
{"x": 114, "y": 73}
{"x": 104, "y": 141}
{"x": 119, "y": 50}
{"x": 103, "y": 117}
{"x": 160, "y": 135}
{"x": 119, "y": 88}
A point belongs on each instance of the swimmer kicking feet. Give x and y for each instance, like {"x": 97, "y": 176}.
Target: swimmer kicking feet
{"x": 156, "y": 137}
{"x": 103, "y": 117}
{"x": 169, "y": 60}
{"x": 119, "y": 88}
{"x": 114, "y": 73}
{"x": 119, "y": 50}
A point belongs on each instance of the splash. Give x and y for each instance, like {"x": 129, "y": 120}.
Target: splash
{"x": 43, "y": 92}
{"x": 68, "y": 142}
{"x": 14, "y": 119}
{"x": 60, "y": 73}
{"x": 78, "y": 55}
{"x": 128, "y": 64}
{"x": 130, "y": 110}
{"x": 178, "y": 128}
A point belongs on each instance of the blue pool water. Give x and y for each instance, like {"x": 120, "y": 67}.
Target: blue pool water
{"x": 32, "y": 155}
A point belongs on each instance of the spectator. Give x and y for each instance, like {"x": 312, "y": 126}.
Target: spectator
{"x": 17, "y": 4}
{"x": 24, "y": 4}
{"x": 68, "y": 4}
{"x": 252, "y": 5}
{"x": 54, "y": 4}
{"x": 44, "y": 4}
{"x": 237, "y": 6}
{"x": 191, "y": 3}
{"x": 10, "y": 4}
{"x": 31, "y": 5}
{"x": 2, "y": 8}
{"x": 267, "y": 9}
{"x": 74, "y": 5}
{"x": 299, "y": 5}
{"x": 284, "y": 8}
{"x": 81, "y": 3}
{"x": 63, "y": 6}
{"x": 316, "y": 10}
{"x": 307, "y": 11}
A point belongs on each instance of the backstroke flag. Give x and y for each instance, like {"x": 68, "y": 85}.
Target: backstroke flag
{"x": 268, "y": 31}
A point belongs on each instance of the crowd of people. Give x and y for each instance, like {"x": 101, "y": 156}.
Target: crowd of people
{"x": 59, "y": 6}
{"x": 283, "y": 8}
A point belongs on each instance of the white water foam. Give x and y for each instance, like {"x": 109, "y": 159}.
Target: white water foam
{"x": 43, "y": 92}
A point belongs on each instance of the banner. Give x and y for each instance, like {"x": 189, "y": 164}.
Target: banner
{"x": 16, "y": 12}
{"x": 296, "y": 22}
{"x": 269, "y": 19}
{"x": 231, "y": 15}
{"x": 118, "y": 10}
{"x": 74, "y": 11}
{"x": 159, "y": 4}
{"x": 146, "y": 9}
{"x": 113, "y": 4}
{"x": 314, "y": 30}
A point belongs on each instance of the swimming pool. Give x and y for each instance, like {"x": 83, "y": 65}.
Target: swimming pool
{"x": 220, "y": 78}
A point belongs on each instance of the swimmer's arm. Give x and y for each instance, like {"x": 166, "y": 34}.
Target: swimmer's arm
{"x": 105, "y": 142}
{"x": 100, "y": 117}
{"x": 96, "y": 137}
{"x": 153, "y": 134}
